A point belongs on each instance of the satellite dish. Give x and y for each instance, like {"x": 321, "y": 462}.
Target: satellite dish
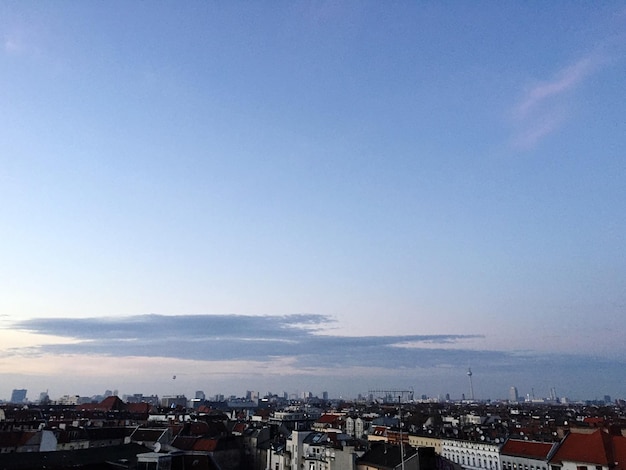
{"x": 157, "y": 447}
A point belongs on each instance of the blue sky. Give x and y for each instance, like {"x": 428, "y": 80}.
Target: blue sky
{"x": 406, "y": 189}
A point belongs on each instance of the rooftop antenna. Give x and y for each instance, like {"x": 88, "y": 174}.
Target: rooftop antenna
{"x": 469, "y": 374}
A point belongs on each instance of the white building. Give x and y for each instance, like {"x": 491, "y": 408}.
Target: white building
{"x": 310, "y": 450}
{"x": 472, "y": 455}
{"x": 356, "y": 427}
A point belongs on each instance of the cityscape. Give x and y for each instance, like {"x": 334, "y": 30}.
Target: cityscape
{"x": 386, "y": 429}
{"x": 407, "y": 395}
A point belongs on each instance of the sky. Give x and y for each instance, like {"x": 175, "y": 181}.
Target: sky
{"x": 313, "y": 196}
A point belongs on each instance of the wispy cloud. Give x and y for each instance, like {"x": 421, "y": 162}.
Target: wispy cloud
{"x": 543, "y": 109}
{"x": 545, "y": 106}
{"x": 533, "y": 131}
{"x": 564, "y": 81}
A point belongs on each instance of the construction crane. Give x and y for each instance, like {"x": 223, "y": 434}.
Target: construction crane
{"x": 393, "y": 395}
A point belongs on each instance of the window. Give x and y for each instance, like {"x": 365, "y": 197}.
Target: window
{"x": 581, "y": 467}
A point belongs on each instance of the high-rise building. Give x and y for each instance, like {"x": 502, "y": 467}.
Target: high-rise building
{"x": 200, "y": 395}
{"x": 173, "y": 401}
{"x": 553, "y": 396}
{"x": 513, "y": 395}
{"x": 44, "y": 398}
{"x": 18, "y": 395}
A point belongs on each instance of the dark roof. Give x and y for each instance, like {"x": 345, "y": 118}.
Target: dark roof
{"x": 15, "y": 438}
{"x": 149, "y": 435}
{"x": 94, "y": 433}
{"x": 385, "y": 456}
{"x": 205, "y": 444}
{"x": 112, "y": 403}
{"x": 65, "y": 436}
{"x": 196, "y": 460}
{"x": 184, "y": 442}
{"x": 82, "y": 458}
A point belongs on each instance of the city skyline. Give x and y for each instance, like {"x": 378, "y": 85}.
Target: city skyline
{"x": 23, "y": 396}
{"x": 332, "y": 196}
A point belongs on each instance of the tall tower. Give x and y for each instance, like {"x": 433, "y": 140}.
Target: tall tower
{"x": 469, "y": 374}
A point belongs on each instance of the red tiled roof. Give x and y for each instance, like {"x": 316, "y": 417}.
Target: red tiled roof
{"x": 199, "y": 428}
{"x": 175, "y": 428}
{"x": 380, "y": 431}
{"x": 205, "y": 445}
{"x": 619, "y": 451}
{"x": 240, "y": 427}
{"x": 528, "y": 449}
{"x": 112, "y": 403}
{"x": 328, "y": 419}
{"x": 139, "y": 407}
{"x": 593, "y": 448}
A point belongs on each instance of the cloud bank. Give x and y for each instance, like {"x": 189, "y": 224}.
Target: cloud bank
{"x": 240, "y": 351}
{"x": 233, "y": 338}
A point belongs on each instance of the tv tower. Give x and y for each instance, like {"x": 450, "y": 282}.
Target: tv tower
{"x": 469, "y": 374}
